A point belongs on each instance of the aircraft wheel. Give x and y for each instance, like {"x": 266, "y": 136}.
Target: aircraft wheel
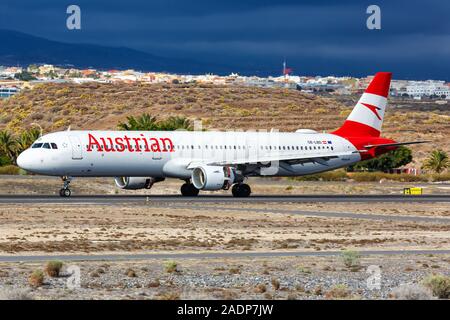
{"x": 188, "y": 190}
{"x": 241, "y": 190}
{"x": 65, "y": 192}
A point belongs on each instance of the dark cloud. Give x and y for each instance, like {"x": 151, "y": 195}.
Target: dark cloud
{"x": 317, "y": 37}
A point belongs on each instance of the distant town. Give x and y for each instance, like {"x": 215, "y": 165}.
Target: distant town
{"x": 13, "y": 79}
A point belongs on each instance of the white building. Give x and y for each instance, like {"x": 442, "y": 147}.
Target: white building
{"x": 427, "y": 88}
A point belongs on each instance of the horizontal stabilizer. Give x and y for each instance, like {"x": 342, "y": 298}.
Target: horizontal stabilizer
{"x": 393, "y": 144}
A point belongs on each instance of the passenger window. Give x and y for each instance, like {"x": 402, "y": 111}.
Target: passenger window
{"x": 54, "y": 146}
{"x": 46, "y": 146}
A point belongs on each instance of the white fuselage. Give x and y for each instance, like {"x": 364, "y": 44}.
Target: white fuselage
{"x": 163, "y": 154}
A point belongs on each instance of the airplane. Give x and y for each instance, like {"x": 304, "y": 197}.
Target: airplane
{"x": 213, "y": 160}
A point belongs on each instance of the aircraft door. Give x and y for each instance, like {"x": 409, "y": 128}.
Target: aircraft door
{"x": 77, "y": 152}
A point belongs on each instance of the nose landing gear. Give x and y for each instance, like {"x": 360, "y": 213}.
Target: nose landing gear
{"x": 65, "y": 191}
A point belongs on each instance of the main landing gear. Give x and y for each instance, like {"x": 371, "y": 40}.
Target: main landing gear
{"x": 188, "y": 190}
{"x": 65, "y": 191}
{"x": 241, "y": 190}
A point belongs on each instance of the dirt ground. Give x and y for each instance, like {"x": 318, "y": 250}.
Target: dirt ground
{"x": 158, "y": 226}
{"x": 181, "y": 227}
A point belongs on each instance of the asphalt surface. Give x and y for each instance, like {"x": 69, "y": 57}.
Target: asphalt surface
{"x": 117, "y": 199}
{"x": 209, "y": 255}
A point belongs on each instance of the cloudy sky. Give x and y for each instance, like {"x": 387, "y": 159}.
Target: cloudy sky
{"x": 315, "y": 37}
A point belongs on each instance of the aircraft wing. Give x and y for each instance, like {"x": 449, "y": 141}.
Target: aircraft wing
{"x": 394, "y": 144}
{"x": 291, "y": 159}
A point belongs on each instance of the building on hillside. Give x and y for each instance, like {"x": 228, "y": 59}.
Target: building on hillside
{"x": 428, "y": 88}
{"x": 6, "y": 92}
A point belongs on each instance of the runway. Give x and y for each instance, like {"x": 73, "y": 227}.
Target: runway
{"x": 122, "y": 199}
{"x": 209, "y": 255}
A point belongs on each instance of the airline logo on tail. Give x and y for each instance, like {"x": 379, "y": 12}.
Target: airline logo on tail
{"x": 367, "y": 116}
{"x": 373, "y": 109}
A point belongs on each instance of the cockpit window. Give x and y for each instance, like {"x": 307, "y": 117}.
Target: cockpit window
{"x": 46, "y": 145}
{"x": 54, "y": 146}
{"x": 36, "y": 145}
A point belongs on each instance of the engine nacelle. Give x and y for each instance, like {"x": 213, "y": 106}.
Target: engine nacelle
{"x": 213, "y": 177}
{"x": 134, "y": 183}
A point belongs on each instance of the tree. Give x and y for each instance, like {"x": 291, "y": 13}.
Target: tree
{"x": 8, "y": 145}
{"x": 24, "y": 76}
{"x": 437, "y": 161}
{"x": 174, "y": 123}
{"x": 26, "y": 139}
{"x": 390, "y": 160}
{"x": 146, "y": 122}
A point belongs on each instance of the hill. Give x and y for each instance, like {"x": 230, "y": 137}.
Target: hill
{"x": 102, "y": 106}
{"x": 23, "y": 49}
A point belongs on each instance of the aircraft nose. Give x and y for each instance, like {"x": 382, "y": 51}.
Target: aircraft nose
{"x": 25, "y": 161}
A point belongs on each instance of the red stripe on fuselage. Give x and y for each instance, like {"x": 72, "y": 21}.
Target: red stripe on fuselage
{"x": 360, "y": 141}
{"x": 356, "y": 129}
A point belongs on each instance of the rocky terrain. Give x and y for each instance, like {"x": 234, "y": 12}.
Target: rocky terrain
{"x": 244, "y": 278}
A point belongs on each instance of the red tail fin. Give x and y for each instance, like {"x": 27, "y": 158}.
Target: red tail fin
{"x": 367, "y": 116}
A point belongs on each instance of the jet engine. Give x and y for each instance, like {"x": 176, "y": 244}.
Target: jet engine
{"x": 135, "y": 183}
{"x": 213, "y": 177}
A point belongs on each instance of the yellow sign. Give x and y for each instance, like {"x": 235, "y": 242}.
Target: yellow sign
{"x": 412, "y": 191}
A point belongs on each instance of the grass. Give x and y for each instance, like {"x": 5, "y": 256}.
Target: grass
{"x": 53, "y": 268}
{"x": 302, "y": 269}
{"x": 11, "y": 169}
{"x": 439, "y": 285}
{"x": 341, "y": 175}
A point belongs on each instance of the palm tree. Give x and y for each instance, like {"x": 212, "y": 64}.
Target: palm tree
{"x": 174, "y": 123}
{"x": 438, "y": 161}
{"x": 26, "y": 139}
{"x": 144, "y": 122}
{"x": 8, "y": 145}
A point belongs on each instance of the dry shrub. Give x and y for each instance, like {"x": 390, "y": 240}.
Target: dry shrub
{"x": 36, "y": 279}
{"x": 351, "y": 259}
{"x": 235, "y": 270}
{"x": 53, "y": 268}
{"x": 171, "y": 267}
{"x": 168, "y": 295}
{"x": 154, "y": 284}
{"x": 439, "y": 285}
{"x": 339, "y": 291}
{"x": 260, "y": 288}
{"x": 131, "y": 273}
{"x": 275, "y": 284}
{"x": 411, "y": 292}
